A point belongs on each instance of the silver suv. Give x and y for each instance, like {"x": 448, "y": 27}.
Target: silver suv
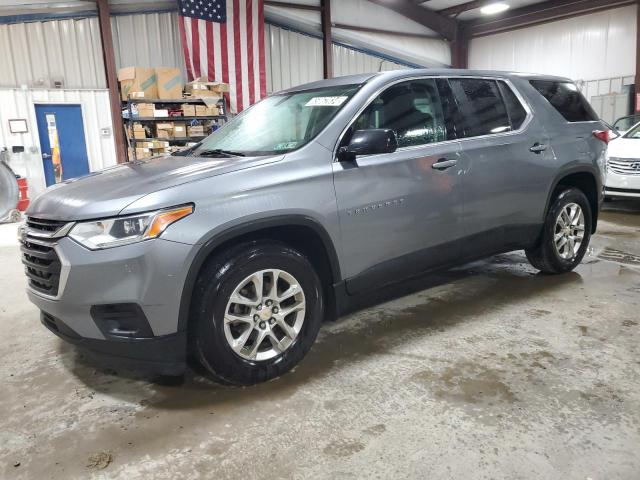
{"x": 236, "y": 250}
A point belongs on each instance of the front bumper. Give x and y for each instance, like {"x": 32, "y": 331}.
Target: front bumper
{"x": 619, "y": 185}
{"x": 149, "y": 275}
{"x": 163, "y": 355}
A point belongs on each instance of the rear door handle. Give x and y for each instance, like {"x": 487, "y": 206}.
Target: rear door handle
{"x": 444, "y": 163}
{"x": 538, "y": 148}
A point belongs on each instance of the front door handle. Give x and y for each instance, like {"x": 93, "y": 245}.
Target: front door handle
{"x": 444, "y": 163}
{"x": 46, "y": 155}
{"x": 538, "y": 148}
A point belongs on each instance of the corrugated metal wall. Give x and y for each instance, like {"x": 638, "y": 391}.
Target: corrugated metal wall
{"x": 347, "y": 61}
{"x": 588, "y": 47}
{"x": 18, "y": 103}
{"x": 38, "y": 53}
{"x": 147, "y": 40}
{"x": 293, "y": 58}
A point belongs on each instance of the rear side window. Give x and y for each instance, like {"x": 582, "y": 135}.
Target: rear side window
{"x": 566, "y": 99}
{"x": 481, "y": 108}
{"x": 515, "y": 110}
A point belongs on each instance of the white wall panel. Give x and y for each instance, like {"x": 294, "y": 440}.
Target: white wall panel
{"x": 347, "y": 61}
{"x": 19, "y": 103}
{"x": 587, "y": 47}
{"x": 35, "y": 54}
{"x": 293, "y": 59}
{"x": 147, "y": 40}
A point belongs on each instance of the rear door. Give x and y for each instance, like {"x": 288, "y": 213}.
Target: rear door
{"x": 499, "y": 136}
{"x": 400, "y": 212}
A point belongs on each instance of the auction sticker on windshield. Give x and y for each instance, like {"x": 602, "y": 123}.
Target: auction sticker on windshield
{"x": 326, "y": 101}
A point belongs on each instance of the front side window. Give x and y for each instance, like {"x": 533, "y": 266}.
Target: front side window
{"x": 279, "y": 123}
{"x": 411, "y": 109}
{"x": 481, "y": 108}
{"x": 566, "y": 99}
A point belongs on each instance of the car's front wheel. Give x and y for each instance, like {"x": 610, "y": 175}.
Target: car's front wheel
{"x": 257, "y": 309}
{"x": 565, "y": 235}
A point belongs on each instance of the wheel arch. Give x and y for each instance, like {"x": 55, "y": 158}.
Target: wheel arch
{"x": 299, "y": 231}
{"x": 586, "y": 180}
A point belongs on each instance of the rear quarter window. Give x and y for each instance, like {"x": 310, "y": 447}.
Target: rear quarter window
{"x": 566, "y": 99}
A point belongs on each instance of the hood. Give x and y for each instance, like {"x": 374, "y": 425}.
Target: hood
{"x": 624, "y": 148}
{"x": 105, "y": 193}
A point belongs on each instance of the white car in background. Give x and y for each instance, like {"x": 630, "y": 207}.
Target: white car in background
{"x": 623, "y": 165}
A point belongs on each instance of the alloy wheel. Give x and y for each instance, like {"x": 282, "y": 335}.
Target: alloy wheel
{"x": 264, "y": 314}
{"x": 569, "y": 231}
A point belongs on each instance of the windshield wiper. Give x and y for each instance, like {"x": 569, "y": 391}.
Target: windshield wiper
{"x": 219, "y": 151}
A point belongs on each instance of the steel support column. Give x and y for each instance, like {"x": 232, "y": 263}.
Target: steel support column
{"x": 112, "y": 79}
{"x": 325, "y": 19}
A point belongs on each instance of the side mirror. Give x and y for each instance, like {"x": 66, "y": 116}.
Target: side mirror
{"x": 368, "y": 142}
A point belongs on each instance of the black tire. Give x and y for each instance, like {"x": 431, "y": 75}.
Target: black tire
{"x": 543, "y": 254}
{"x": 216, "y": 282}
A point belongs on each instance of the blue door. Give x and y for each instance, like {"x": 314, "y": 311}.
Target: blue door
{"x": 64, "y": 151}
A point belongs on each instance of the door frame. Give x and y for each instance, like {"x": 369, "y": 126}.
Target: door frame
{"x": 82, "y": 105}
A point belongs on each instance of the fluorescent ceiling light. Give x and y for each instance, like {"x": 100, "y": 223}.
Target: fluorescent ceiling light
{"x": 494, "y": 8}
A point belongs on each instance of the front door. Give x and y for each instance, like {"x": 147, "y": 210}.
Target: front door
{"x": 400, "y": 212}
{"x": 64, "y": 151}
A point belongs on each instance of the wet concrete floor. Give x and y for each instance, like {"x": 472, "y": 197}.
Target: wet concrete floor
{"x": 486, "y": 371}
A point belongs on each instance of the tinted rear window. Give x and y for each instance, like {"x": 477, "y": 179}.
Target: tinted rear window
{"x": 566, "y": 99}
{"x": 482, "y": 111}
{"x": 517, "y": 113}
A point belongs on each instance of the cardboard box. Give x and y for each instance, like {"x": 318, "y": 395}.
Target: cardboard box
{"x": 202, "y": 87}
{"x": 201, "y": 110}
{"x": 188, "y": 110}
{"x": 169, "y": 83}
{"x": 196, "y": 131}
{"x": 164, "y": 130}
{"x": 212, "y": 111}
{"x": 142, "y": 152}
{"x": 159, "y": 144}
{"x": 145, "y": 110}
{"x": 138, "y": 82}
{"x": 179, "y": 130}
{"x": 161, "y": 113}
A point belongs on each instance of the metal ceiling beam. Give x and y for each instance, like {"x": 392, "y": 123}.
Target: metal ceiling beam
{"x": 299, "y": 6}
{"x": 540, "y": 13}
{"x": 446, "y": 27}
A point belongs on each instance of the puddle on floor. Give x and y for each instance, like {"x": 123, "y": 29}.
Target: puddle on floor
{"x": 619, "y": 256}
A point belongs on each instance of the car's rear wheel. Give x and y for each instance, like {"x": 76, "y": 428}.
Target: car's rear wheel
{"x": 257, "y": 311}
{"x": 565, "y": 235}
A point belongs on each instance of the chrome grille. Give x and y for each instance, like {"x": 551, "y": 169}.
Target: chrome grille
{"x": 624, "y": 166}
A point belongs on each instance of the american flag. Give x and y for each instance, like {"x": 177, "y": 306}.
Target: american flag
{"x": 224, "y": 41}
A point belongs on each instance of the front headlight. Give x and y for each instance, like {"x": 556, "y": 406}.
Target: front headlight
{"x": 113, "y": 232}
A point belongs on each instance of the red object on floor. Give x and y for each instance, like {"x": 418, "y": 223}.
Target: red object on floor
{"x": 23, "y": 199}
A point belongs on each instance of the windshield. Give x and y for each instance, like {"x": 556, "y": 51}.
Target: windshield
{"x": 634, "y": 132}
{"x": 625, "y": 123}
{"x": 278, "y": 124}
